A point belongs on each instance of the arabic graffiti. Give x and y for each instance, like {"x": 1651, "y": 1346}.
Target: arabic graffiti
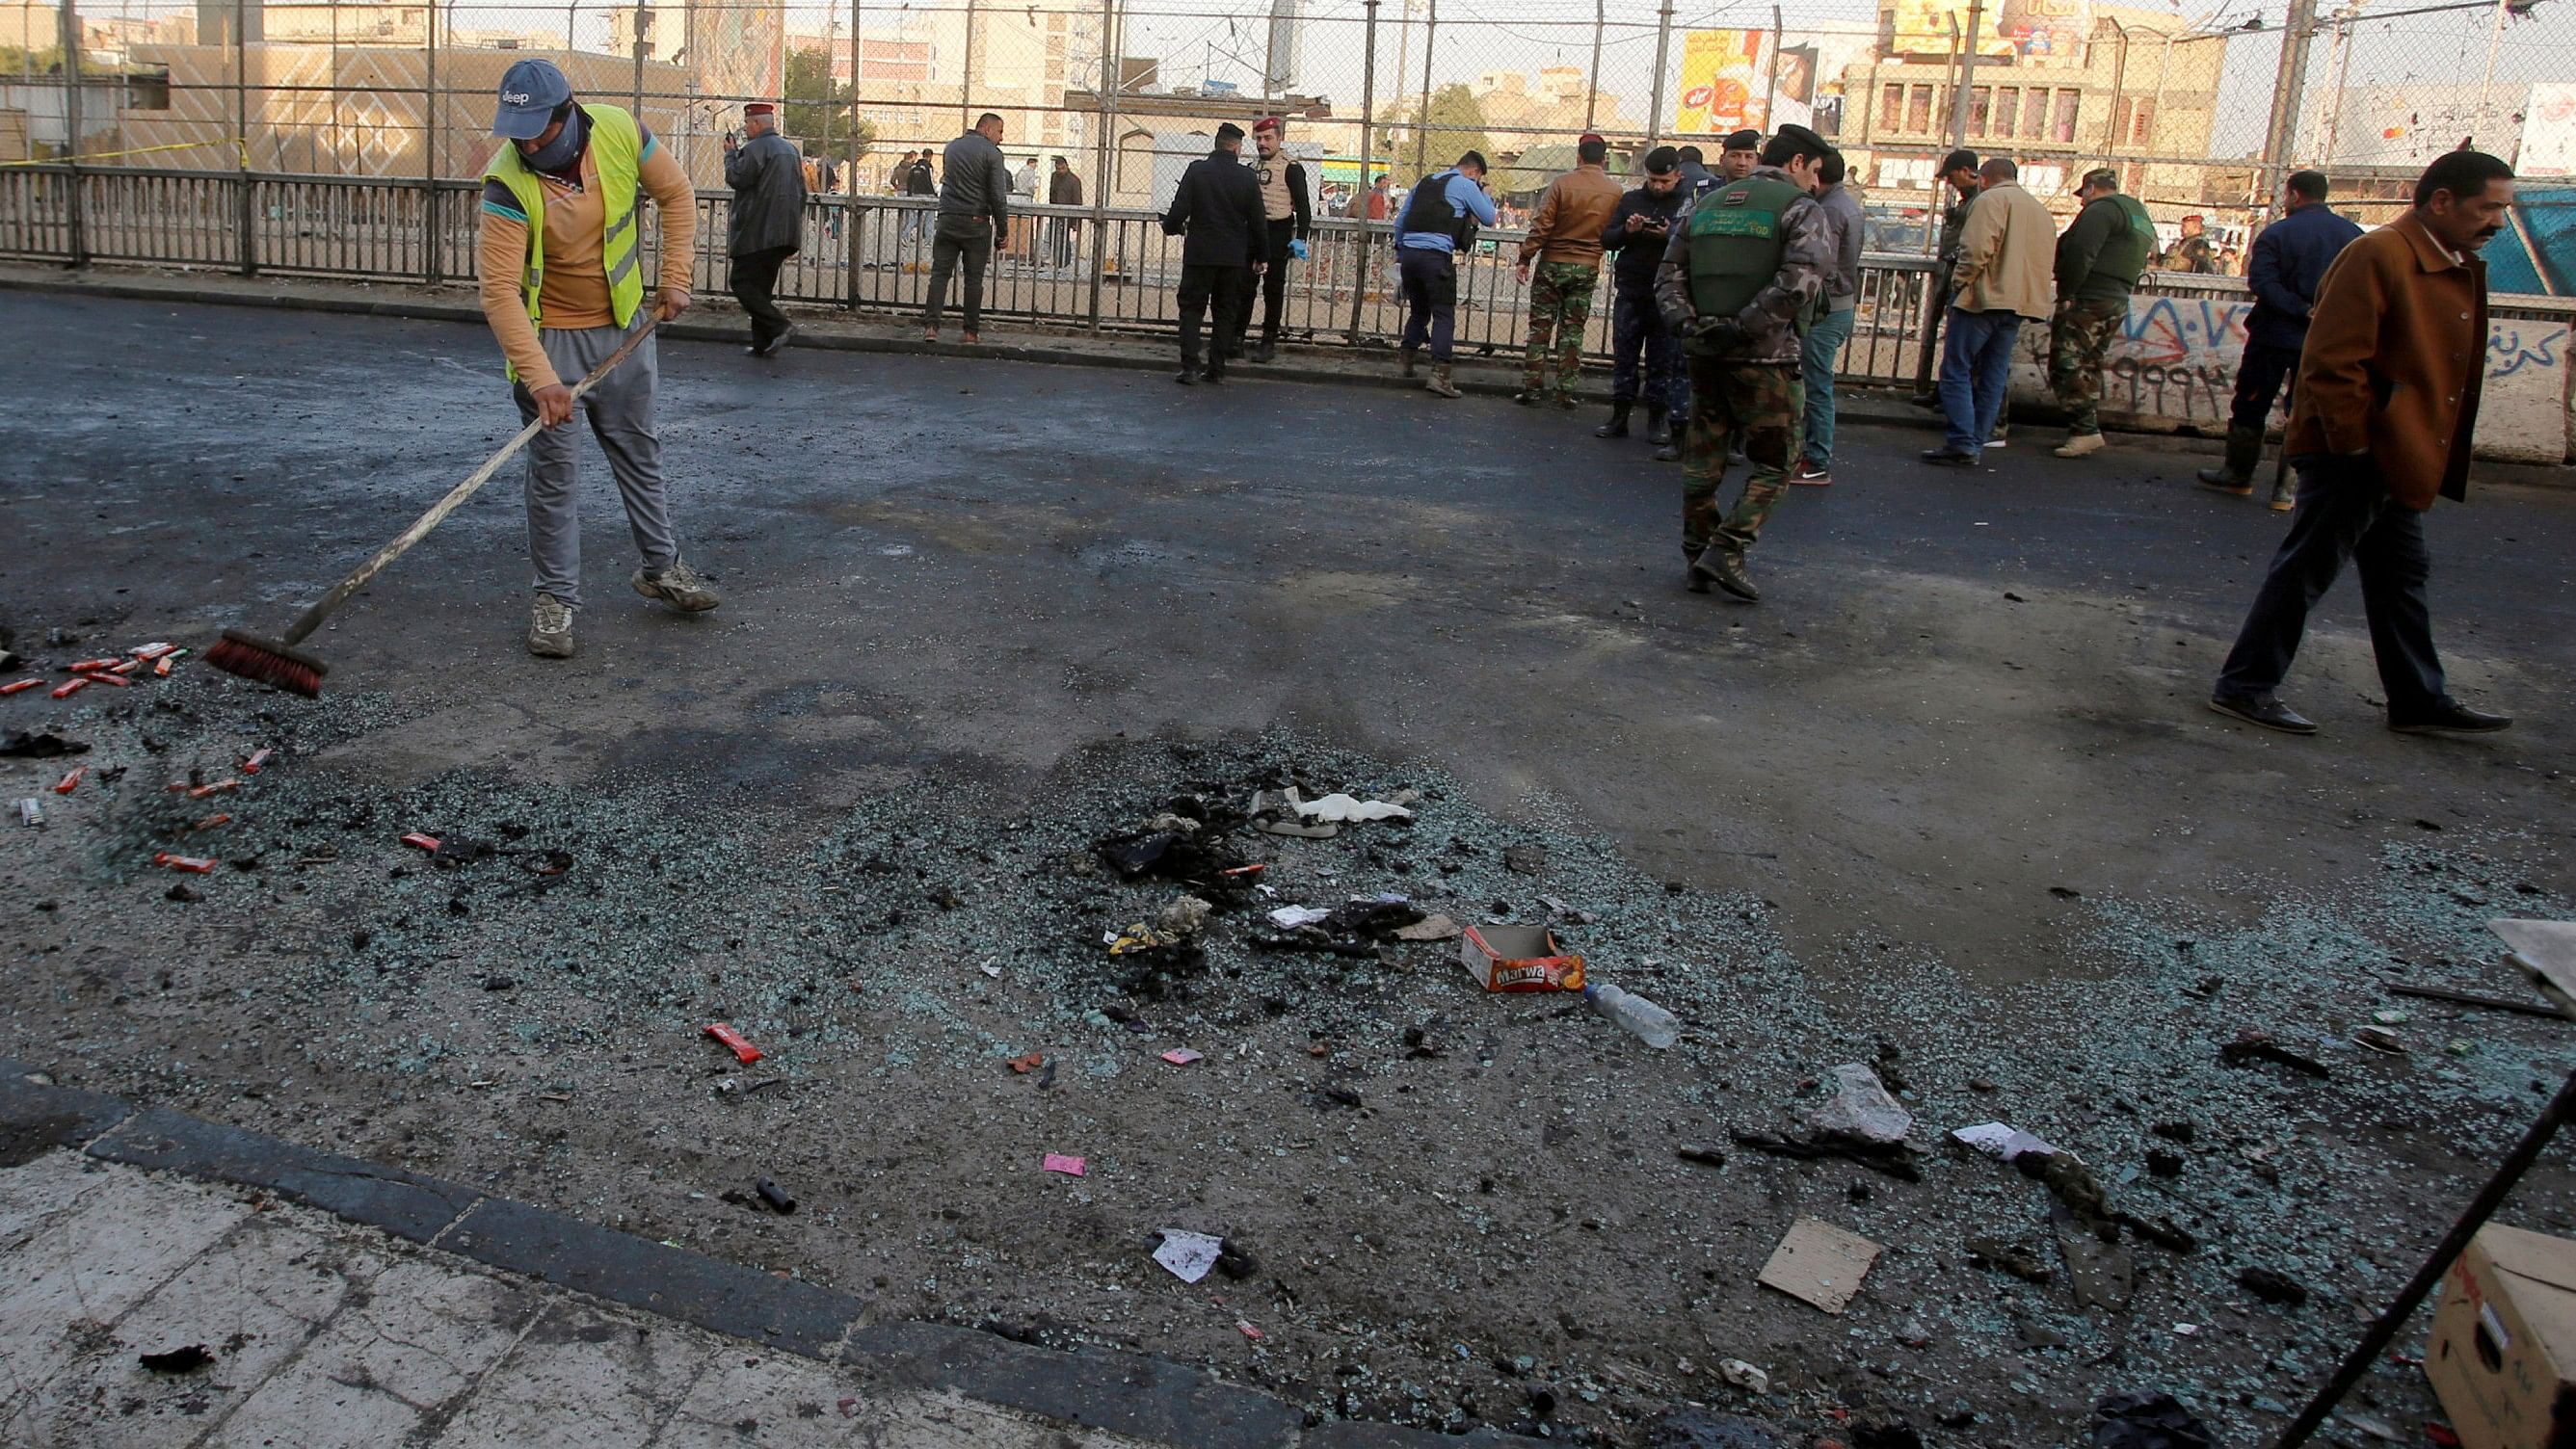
{"x": 2513, "y": 346}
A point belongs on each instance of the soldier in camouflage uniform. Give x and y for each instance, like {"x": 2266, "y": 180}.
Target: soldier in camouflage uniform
{"x": 1560, "y": 259}
{"x": 2098, "y": 262}
{"x": 1740, "y": 281}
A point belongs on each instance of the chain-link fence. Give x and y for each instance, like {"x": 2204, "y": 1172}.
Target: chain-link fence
{"x": 346, "y": 135}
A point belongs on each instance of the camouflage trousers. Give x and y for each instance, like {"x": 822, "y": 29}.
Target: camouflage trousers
{"x": 1759, "y": 403}
{"x": 2077, "y": 339}
{"x": 1560, "y": 301}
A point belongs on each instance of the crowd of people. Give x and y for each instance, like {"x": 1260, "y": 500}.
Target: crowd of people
{"x": 1732, "y": 292}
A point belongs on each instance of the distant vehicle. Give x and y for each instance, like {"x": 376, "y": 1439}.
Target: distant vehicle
{"x": 1892, "y": 227}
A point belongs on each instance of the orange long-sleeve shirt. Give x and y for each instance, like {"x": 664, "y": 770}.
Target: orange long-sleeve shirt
{"x": 575, "y": 290}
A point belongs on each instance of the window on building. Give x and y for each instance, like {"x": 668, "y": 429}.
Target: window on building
{"x": 1891, "y": 107}
{"x": 2034, "y": 112}
{"x": 2007, "y": 109}
{"x": 2062, "y": 130}
{"x": 1981, "y": 101}
{"x": 1918, "y": 109}
{"x": 148, "y": 90}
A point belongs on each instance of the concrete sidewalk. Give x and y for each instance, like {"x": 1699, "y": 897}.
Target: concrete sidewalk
{"x": 329, "y": 1302}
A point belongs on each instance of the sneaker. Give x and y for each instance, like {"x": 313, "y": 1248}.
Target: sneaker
{"x": 550, "y": 628}
{"x": 1529, "y": 397}
{"x": 1998, "y": 440}
{"x": 775, "y": 345}
{"x": 1811, "y": 473}
{"x": 679, "y": 586}
{"x": 2081, "y": 445}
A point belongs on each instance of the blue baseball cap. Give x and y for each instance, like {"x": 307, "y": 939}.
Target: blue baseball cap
{"x": 530, "y": 92}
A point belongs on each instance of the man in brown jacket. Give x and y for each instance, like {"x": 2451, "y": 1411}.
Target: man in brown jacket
{"x": 2385, "y": 405}
{"x": 2006, "y": 273}
{"x": 1564, "y": 240}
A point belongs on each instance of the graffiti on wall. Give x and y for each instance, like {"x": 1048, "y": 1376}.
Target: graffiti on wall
{"x": 2515, "y": 345}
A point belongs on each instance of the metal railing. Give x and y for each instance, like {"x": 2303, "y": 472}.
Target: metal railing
{"x": 869, "y": 255}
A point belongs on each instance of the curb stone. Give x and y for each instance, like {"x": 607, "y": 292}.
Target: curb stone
{"x": 1136, "y": 1395}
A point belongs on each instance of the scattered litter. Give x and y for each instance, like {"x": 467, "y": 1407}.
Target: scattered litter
{"x": 1059, "y": 1162}
{"x": 1819, "y": 1264}
{"x": 149, "y": 652}
{"x": 2376, "y": 1428}
{"x": 1704, "y": 1156}
{"x": 1023, "y": 1065}
{"x": 1635, "y": 1015}
{"x": 70, "y": 687}
{"x": 1744, "y": 1376}
{"x": 2379, "y": 1039}
{"x": 1429, "y": 928}
{"x": 178, "y": 1360}
{"x": 1862, "y": 1109}
{"x": 31, "y": 812}
{"x": 1138, "y": 937}
{"x": 1518, "y": 958}
{"x": 774, "y": 1195}
{"x": 1182, "y": 919}
{"x": 211, "y": 821}
{"x": 1244, "y": 1327}
{"x": 1182, "y": 1056}
{"x": 256, "y": 759}
{"x": 2185, "y": 1330}
{"x": 743, "y": 1051}
{"x": 2251, "y": 1045}
{"x": 1337, "y": 808}
{"x": 2144, "y": 1420}
{"x": 161, "y": 668}
{"x": 1524, "y": 859}
{"x": 194, "y": 864}
{"x": 70, "y": 782}
{"x": 2010, "y": 1258}
{"x": 1896, "y": 1160}
{"x": 2098, "y": 1269}
{"x": 45, "y": 746}
{"x": 1289, "y": 918}
{"x": 218, "y": 787}
{"x": 992, "y": 969}
{"x": 1566, "y": 913}
{"x": 2466, "y": 998}
{"x": 85, "y": 666}
{"x": 17, "y": 685}
{"x": 1188, "y": 1255}
{"x": 110, "y": 680}
{"x": 1276, "y": 812}
{"x": 1997, "y": 1139}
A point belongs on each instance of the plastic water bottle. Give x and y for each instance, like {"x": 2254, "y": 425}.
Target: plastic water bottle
{"x": 1643, "y": 1019}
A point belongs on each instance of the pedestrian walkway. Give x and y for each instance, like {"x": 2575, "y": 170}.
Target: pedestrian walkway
{"x": 212, "y": 1302}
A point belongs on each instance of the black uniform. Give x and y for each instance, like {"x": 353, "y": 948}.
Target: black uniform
{"x": 1218, "y": 209}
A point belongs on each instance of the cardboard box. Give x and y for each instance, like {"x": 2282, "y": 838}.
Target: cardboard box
{"x": 1518, "y": 958}
{"x": 2502, "y": 1355}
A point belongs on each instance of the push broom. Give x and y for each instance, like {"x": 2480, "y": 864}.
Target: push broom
{"x": 278, "y": 662}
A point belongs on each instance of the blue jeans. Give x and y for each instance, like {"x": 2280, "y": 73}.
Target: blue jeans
{"x": 1637, "y": 331}
{"x": 1976, "y": 363}
{"x": 1823, "y": 348}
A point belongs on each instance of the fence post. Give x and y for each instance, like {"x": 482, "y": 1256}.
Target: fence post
{"x": 1655, "y": 93}
{"x": 1592, "y": 85}
{"x": 1771, "y": 81}
{"x": 74, "y": 211}
{"x": 1422, "y": 117}
{"x": 2285, "y": 97}
{"x": 1113, "y": 79}
{"x": 1967, "y": 74}
{"x": 248, "y": 198}
{"x": 1368, "y": 163}
{"x": 850, "y": 177}
{"x": 430, "y": 261}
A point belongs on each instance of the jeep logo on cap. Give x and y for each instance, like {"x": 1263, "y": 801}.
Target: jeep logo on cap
{"x": 516, "y": 98}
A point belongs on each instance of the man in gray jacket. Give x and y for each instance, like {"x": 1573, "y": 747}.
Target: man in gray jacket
{"x": 974, "y": 207}
{"x": 768, "y": 181}
{"x": 1823, "y": 346}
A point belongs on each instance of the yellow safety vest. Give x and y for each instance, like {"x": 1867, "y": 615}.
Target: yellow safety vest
{"x": 616, "y": 145}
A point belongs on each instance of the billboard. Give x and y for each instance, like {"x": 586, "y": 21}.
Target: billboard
{"x": 1922, "y": 27}
{"x": 1728, "y": 83}
{"x": 2548, "y": 131}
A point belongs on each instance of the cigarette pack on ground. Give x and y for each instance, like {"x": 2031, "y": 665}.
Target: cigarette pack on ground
{"x": 1518, "y": 958}
{"x": 2502, "y": 1354}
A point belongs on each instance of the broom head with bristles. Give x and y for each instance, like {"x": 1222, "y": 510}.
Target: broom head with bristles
{"x": 266, "y": 661}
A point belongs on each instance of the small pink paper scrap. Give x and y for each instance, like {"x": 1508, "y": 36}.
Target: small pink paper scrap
{"x": 1058, "y": 1162}
{"x": 1181, "y": 1056}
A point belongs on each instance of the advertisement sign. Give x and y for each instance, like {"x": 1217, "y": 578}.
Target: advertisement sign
{"x": 1922, "y": 27}
{"x": 1725, "y": 78}
{"x": 2549, "y": 131}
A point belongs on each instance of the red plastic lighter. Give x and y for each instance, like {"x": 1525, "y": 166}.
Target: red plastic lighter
{"x": 82, "y": 666}
{"x": 128, "y": 667}
{"x": 743, "y": 1050}
{"x": 418, "y": 841}
{"x": 211, "y": 821}
{"x": 70, "y": 782}
{"x": 100, "y": 676}
{"x": 162, "y": 669}
{"x": 74, "y": 685}
{"x": 258, "y": 757}
{"x": 17, "y": 685}
{"x": 215, "y": 788}
{"x": 197, "y": 864}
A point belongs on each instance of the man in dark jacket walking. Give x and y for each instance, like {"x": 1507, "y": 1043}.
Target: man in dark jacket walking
{"x": 1636, "y": 235}
{"x": 1063, "y": 189}
{"x": 1288, "y": 216}
{"x": 2290, "y": 260}
{"x": 2380, "y": 424}
{"x": 768, "y": 181}
{"x": 974, "y": 209}
{"x": 1218, "y": 210}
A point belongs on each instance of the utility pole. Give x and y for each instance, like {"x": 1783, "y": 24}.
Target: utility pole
{"x": 1663, "y": 57}
{"x": 1967, "y": 73}
{"x": 72, "y": 213}
{"x": 2277, "y": 136}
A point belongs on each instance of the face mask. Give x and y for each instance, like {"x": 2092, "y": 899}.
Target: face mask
{"x": 559, "y": 153}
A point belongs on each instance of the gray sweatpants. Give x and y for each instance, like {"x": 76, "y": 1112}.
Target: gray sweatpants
{"x": 621, "y": 417}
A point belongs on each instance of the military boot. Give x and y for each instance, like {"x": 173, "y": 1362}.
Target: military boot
{"x": 1440, "y": 382}
{"x": 2236, "y": 475}
{"x": 1410, "y": 356}
{"x": 1617, "y": 427}
{"x": 1659, "y": 425}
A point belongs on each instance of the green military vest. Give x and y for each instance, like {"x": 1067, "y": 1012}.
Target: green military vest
{"x": 1735, "y": 245}
{"x": 617, "y": 144}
